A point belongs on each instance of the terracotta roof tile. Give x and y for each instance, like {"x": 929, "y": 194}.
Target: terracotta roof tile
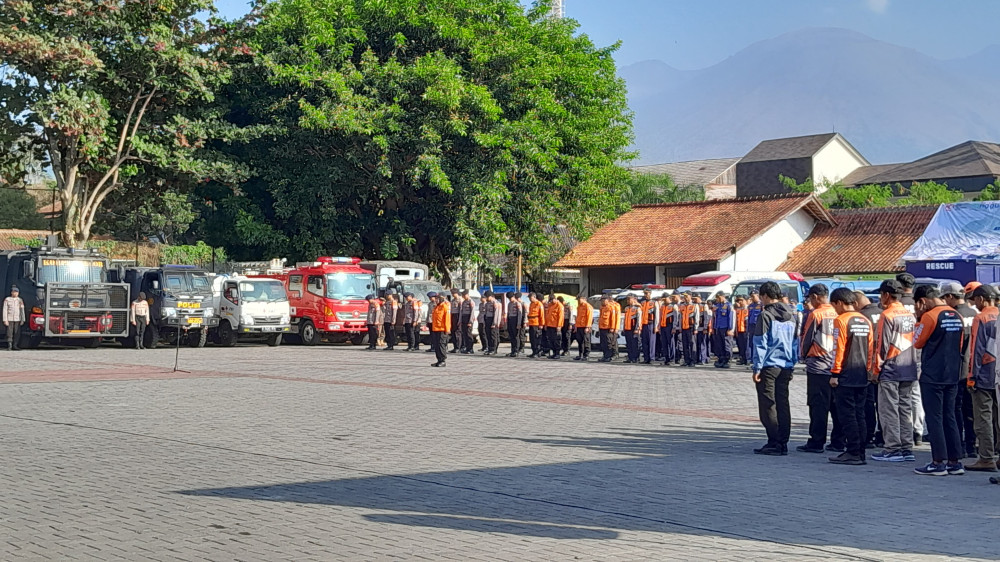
{"x": 685, "y": 232}
{"x": 863, "y": 241}
{"x": 9, "y": 234}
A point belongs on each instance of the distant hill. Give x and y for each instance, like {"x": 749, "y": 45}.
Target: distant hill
{"x": 893, "y": 103}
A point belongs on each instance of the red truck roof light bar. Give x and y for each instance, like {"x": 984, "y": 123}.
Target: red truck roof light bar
{"x": 328, "y": 260}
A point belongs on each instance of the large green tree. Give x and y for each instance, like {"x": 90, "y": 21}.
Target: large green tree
{"x": 649, "y": 189}
{"x": 106, "y": 88}
{"x": 18, "y": 209}
{"x": 433, "y": 130}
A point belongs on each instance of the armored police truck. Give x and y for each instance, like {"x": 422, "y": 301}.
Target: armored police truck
{"x": 66, "y": 293}
{"x": 180, "y": 303}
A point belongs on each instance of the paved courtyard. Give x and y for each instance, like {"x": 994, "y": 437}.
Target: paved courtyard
{"x": 334, "y": 453}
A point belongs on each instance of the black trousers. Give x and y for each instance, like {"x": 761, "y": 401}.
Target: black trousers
{"x": 871, "y": 412}
{"x": 963, "y": 413}
{"x": 678, "y": 347}
{"x": 583, "y": 342}
{"x": 466, "y": 330}
{"x": 567, "y": 332}
{"x": 772, "y": 403}
{"x": 723, "y": 345}
{"x": 13, "y": 333}
{"x": 632, "y": 345}
{"x": 412, "y": 336}
{"x": 851, "y": 409}
{"x": 535, "y": 336}
{"x": 372, "y": 335}
{"x": 390, "y": 335}
{"x": 456, "y": 332}
{"x": 513, "y": 336}
{"x": 483, "y": 342}
{"x": 742, "y": 345}
{"x": 492, "y": 335}
{"x": 606, "y": 342}
{"x": 819, "y": 398}
{"x": 940, "y": 422}
{"x": 439, "y": 341}
{"x": 521, "y": 335}
{"x": 687, "y": 336}
{"x": 140, "y": 331}
{"x": 553, "y": 335}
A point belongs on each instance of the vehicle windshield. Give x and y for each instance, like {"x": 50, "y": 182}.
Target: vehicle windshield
{"x": 349, "y": 285}
{"x": 187, "y": 282}
{"x": 62, "y": 270}
{"x": 421, "y": 288}
{"x": 789, "y": 289}
{"x": 263, "y": 291}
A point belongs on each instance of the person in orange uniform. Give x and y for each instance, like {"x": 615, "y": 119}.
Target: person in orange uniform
{"x": 584, "y": 318}
{"x": 690, "y": 318}
{"x": 852, "y": 343}
{"x": 632, "y": 326}
{"x": 607, "y": 326}
{"x": 742, "y": 336}
{"x": 668, "y": 314}
{"x": 647, "y": 323}
{"x": 536, "y": 321}
{"x": 440, "y": 327}
{"x": 554, "y": 317}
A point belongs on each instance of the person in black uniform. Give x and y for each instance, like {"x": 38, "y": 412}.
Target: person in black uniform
{"x": 954, "y": 296}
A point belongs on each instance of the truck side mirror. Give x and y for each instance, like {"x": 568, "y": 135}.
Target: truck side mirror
{"x": 29, "y": 269}
{"x": 156, "y": 284}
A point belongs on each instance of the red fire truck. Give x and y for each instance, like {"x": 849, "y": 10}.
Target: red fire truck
{"x": 327, "y": 299}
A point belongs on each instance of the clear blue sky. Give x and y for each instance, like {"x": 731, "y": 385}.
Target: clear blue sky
{"x": 691, "y": 34}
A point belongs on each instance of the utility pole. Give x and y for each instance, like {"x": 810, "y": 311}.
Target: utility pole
{"x": 558, "y": 9}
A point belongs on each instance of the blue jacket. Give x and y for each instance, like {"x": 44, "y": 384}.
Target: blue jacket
{"x": 724, "y": 318}
{"x": 776, "y": 338}
{"x": 753, "y": 313}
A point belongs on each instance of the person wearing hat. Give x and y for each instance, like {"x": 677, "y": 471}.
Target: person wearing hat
{"x": 455, "y": 308}
{"x": 536, "y": 324}
{"x": 411, "y": 321}
{"x": 724, "y": 328}
{"x": 632, "y": 328}
{"x": 373, "y": 320}
{"x": 668, "y": 317}
{"x": 607, "y": 325}
{"x": 467, "y": 317}
{"x": 647, "y": 321}
{"x": 894, "y": 368}
{"x": 740, "y": 313}
{"x": 139, "y": 315}
{"x": 584, "y": 321}
{"x": 13, "y": 317}
{"x": 568, "y": 333}
{"x": 954, "y": 296}
{"x": 554, "y": 313}
{"x": 702, "y": 332}
{"x": 440, "y": 317}
{"x": 675, "y": 302}
{"x": 513, "y": 321}
{"x": 982, "y": 379}
{"x": 484, "y": 346}
{"x": 390, "y": 310}
{"x": 492, "y": 318}
{"x": 690, "y": 318}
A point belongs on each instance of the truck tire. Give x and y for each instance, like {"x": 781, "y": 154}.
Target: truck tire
{"x": 359, "y": 340}
{"x": 30, "y": 340}
{"x": 274, "y": 340}
{"x": 308, "y": 333}
{"x": 91, "y": 343}
{"x": 197, "y": 338}
{"x": 151, "y": 338}
{"x": 226, "y": 334}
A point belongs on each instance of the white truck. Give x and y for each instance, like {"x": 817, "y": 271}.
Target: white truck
{"x": 250, "y": 308}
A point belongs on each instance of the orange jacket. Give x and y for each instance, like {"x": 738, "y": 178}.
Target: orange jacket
{"x": 441, "y": 318}
{"x": 609, "y": 317}
{"x": 648, "y": 315}
{"x": 554, "y": 315}
{"x": 632, "y": 321}
{"x": 584, "y": 314}
{"x": 536, "y": 314}
{"x": 667, "y": 315}
{"x": 741, "y": 319}
{"x": 690, "y": 315}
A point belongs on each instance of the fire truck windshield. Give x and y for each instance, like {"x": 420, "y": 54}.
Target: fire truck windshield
{"x": 67, "y": 270}
{"x": 349, "y": 285}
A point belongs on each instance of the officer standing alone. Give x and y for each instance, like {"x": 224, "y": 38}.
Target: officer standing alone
{"x": 139, "y": 312}
{"x": 13, "y": 317}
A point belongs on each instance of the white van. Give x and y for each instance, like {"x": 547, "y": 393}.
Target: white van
{"x": 706, "y": 285}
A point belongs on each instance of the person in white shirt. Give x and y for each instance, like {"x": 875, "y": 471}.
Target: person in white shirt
{"x": 139, "y": 315}
{"x": 13, "y": 317}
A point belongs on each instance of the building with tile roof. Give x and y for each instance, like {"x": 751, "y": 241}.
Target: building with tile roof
{"x": 717, "y": 176}
{"x": 968, "y": 167}
{"x": 814, "y": 157}
{"x": 860, "y": 241}
{"x": 665, "y": 243}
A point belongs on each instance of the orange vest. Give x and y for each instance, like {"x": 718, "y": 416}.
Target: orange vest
{"x": 687, "y": 315}
{"x": 609, "y": 317}
{"x": 632, "y": 314}
{"x": 665, "y": 319}
{"x": 741, "y": 319}
{"x": 535, "y": 314}
{"x": 648, "y": 312}
{"x": 441, "y": 319}
{"x": 584, "y": 314}
{"x": 554, "y": 315}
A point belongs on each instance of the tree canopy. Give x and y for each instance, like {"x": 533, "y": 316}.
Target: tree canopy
{"x": 649, "y": 189}
{"x": 432, "y": 130}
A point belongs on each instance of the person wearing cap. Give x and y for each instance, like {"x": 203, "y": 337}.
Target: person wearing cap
{"x": 632, "y": 327}
{"x": 982, "y": 379}
{"x": 607, "y": 323}
{"x": 954, "y": 296}
{"x": 583, "y": 325}
{"x": 440, "y": 317}
{"x": 702, "y": 332}
{"x": 492, "y": 318}
{"x": 373, "y": 320}
{"x": 723, "y": 330}
{"x": 939, "y": 337}
{"x": 754, "y": 308}
{"x": 13, "y": 317}
{"x": 139, "y": 316}
{"x": 668, "y": 317}
{"x": 390, "y": 311}
{"x": 480, "y": 312}
{"x": 455, "y": 308}
{"x": 816, "y": 350}
{"x": 690, "y": 319}
{"x": 894, "y": 369}
{"x": 740, "y": 314}
{"x": 411, "y": 321}
{"x": 566, "y": 331}
{"x": 647, "y": 321}
{"x": 675, "y": 302}
{"x": 873, "y": 312}
{"x": 512, "y": 322}
{"x": 467, "y": 317}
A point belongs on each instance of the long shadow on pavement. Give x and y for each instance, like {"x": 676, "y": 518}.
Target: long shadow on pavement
{"x": 691, "y": 481}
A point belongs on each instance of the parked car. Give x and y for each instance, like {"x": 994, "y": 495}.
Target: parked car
{"x": 795, "y": 290}
{"x": 706, "y": 285}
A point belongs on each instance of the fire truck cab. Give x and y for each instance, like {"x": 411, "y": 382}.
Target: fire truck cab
{"x": 327, "y": 299}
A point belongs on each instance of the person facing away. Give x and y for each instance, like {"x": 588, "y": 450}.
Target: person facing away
{"x": 817, "y": 351}
{"x": 775, "y": 344}
{"x": 139, "y": 316}
{"x": 894, "y": 368}
{"x": 849, "y": 374}
{"x": 982, "y": 379}
{"x": 440, "y": 327}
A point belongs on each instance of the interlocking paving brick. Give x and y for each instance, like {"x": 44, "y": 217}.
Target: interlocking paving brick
{"x": 332, "y": 453}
